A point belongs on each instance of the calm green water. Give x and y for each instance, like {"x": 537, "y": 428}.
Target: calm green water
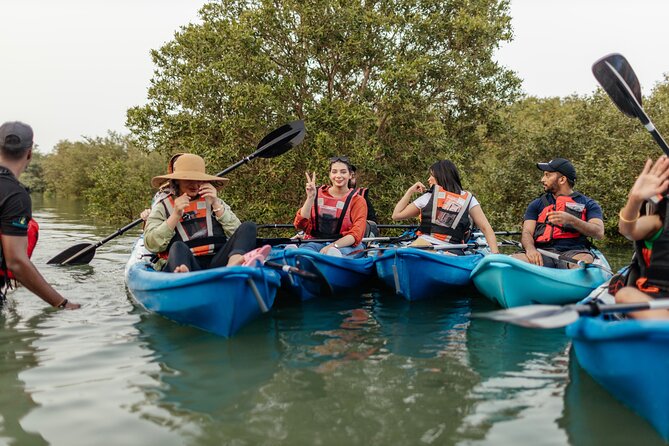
{"x": 367, "y": 370}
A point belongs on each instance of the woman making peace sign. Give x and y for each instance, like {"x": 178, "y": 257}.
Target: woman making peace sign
{"x": 333, "y": 211}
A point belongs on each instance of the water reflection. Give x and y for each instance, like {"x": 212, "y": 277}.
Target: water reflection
{"x": 17, "y": 353}
{"x": 592, "y": 417}
{"x": 372, "y": 369}
{"x": 427, "y": 328}
{"x": 205, "y": 373}
{"x": 523, "y": 374}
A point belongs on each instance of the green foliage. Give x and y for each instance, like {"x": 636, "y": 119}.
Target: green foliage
{"x": 33, "y": 177}
{"x": 607, "y": 148}
{"x": 393, "y": 84}
{"x": 121, "y": 187}
{"x": 67, "y": 171}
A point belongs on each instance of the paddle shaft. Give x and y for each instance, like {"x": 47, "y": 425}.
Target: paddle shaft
{"x": 594, "y": 309}
{"x": 289, "y": 226}
{"x": 292, "y": 269}
{"x": 573, "y": 261}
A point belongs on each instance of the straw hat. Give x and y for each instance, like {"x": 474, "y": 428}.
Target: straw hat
{"x": 189, "y": 167}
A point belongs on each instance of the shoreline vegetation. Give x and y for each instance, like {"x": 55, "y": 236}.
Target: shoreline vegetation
{"x": 392, "y": 91}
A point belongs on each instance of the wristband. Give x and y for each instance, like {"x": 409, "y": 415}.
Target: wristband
{"x": 63, "y": 303}
{"x": 624, "y": 220}
{"x": 335, "y": 245}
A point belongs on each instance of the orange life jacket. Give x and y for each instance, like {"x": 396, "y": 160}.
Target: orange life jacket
{"x": 546, "y": 232}
{"x": 331, "y": 216}
{"x": 196, "y": 222}
{"x": 446, "y": 215}
{"x": 33, "y": 236}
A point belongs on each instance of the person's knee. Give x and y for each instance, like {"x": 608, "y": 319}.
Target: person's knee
{"x": 631, "y": 294}
{"x": 178, "y": 247}
{"x": 587, "y": 258}
{"x": 248, "y": 228}
{"x": 521, "y": 256}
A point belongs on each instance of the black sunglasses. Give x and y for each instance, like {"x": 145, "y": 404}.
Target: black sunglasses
{"x": 343, "y": 159}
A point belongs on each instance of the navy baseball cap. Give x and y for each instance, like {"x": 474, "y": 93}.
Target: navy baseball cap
{"x": 559, "y": 165}
{"x": 16, "y": 135}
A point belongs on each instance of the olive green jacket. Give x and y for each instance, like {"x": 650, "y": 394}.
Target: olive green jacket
{"x": 157, "y": 235}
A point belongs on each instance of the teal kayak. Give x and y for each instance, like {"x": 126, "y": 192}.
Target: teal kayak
{"x": 510, "y": 282}
{"x": 344, "y": 275}
{"x": 417, "y": 274}
{"x": 630, "y": 359}
{"x": 219, "y": 300}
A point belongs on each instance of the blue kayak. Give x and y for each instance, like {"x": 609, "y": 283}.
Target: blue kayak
{"x": 343, "y": 274}
{"x": 630, "y": 359}
{"x": 418, "y": 274}
{"x": 219, "y": 300}
{"x": 510, "y": 282}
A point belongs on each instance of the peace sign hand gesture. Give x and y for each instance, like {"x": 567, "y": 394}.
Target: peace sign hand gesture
{"x": 311, "y": 186}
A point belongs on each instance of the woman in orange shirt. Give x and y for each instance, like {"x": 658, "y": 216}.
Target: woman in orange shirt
{"x": 333, "y": 211}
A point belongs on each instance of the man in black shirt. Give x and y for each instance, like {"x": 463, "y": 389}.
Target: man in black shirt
{"x": 16, "y": 141}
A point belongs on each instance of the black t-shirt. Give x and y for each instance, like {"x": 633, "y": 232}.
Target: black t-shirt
{"x": 15, "y": 205}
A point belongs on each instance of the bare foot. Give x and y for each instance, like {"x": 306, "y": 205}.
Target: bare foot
{"x": 235, "y": 260}
{"x": 181, "y": 269}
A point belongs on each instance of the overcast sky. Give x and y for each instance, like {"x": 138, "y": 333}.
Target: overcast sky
{"x": 72, "y": 68}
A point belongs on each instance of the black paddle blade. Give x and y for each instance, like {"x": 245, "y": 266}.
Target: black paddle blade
{"x": 618, "y": 79}
{"x": 319, "y": 286}
{"x": 80, "y": 254}
{"x": 281, "y": 140}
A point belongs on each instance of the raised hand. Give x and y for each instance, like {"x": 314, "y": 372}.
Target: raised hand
{"x": 311, "y": 185}
{"x": 417, "y": 188}
{"x": 208, "y": 191}
{"x": 180, "y": 204}
{"x": 653, "y": 180}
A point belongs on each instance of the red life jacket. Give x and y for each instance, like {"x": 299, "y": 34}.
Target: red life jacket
{"x": 546, "y": 232}
{"x": 653, "y": 261}
{"x": 33, "y": 236}
{"x": 446, "y": 215}
{"x": 331, "y": 216}
{"x": 196, "y": 222}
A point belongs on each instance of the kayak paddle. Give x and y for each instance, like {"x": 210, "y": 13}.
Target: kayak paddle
{"x": 564, "y": 258}
{"x": 274, "y": 144}
{"x": 573, "y": 261}
{"x": 617, "y": 78}
{"x": 554, "y": 316}
{"x": 315, "y": 281}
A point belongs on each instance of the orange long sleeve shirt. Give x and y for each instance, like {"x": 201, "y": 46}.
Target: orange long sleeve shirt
{"x": 358, "y": 207}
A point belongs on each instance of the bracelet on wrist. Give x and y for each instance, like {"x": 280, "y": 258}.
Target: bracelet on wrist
{"x": 62, "y": 304}
{"x": 624, "y": 220}
{"x": 220, "y": 208}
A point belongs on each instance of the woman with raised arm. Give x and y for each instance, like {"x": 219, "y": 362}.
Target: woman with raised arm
{"x": 446, "y": 211}
{"x": 644, "y": 220}
{"x": 333, "y": 211}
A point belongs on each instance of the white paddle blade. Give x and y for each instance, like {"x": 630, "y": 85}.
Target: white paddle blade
{"x": 534, "y": 316}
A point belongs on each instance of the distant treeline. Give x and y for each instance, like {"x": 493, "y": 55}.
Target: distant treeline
{"x": 395, "y": 85}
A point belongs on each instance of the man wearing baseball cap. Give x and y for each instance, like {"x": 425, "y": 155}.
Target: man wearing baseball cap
{"x": 16, "y": 142}
{"x": 561, "y": 220}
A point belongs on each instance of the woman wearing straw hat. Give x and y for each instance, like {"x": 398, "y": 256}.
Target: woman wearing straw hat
{"x": 193, "y": 211}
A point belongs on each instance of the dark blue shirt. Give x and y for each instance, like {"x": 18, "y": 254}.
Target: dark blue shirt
{"x": 592, "y": 210}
